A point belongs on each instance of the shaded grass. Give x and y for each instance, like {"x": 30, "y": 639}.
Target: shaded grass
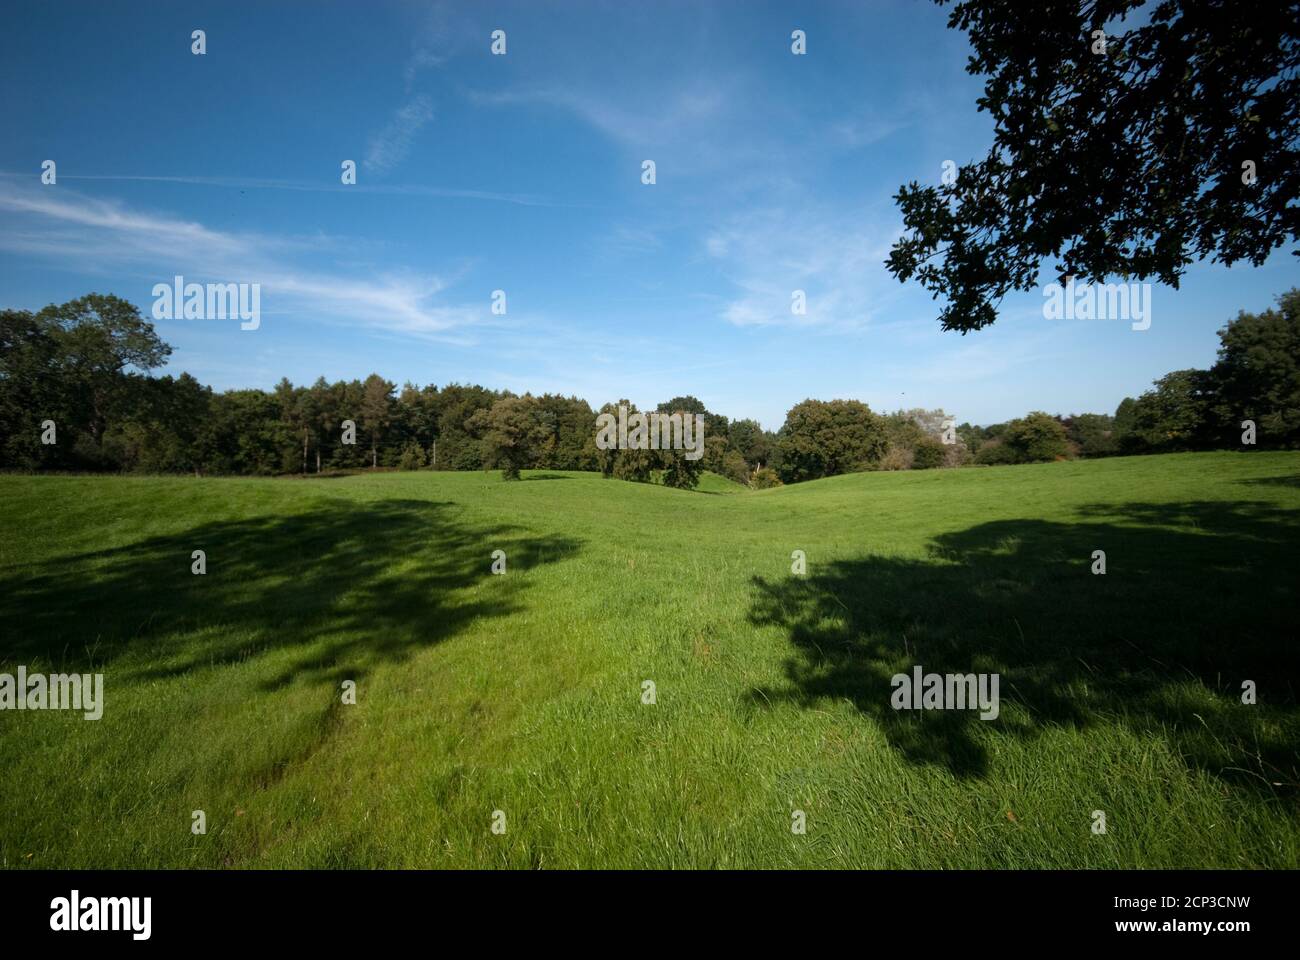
{"x": 522, "y": 692}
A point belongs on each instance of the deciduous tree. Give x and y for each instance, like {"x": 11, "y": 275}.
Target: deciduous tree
{"x": 1127, "y": 147}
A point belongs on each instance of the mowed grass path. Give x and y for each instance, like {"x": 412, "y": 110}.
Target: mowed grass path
{"x": 522, "y": 693}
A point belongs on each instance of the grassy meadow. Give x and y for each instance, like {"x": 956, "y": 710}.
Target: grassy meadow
{"x": 522, "y": 692}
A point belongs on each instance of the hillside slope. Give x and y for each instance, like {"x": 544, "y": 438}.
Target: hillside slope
{"x": 523, "y": 692}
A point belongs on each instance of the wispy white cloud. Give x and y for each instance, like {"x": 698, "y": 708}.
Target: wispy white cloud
{"x": 697, "y": 125}
{"x": 1014, "y": 349}
{"x": 832, "y": 257}
{"x": 314, "y": 186}
{"x": 441, "y": 32}
{"x": 89, "y": 233}
{"x": 391, "y": 145}
{"x": 628, "y": 240}
{"x": 422, "y": 59}
{"x": 633, "y": 119}
{"x": 867, "y": 128}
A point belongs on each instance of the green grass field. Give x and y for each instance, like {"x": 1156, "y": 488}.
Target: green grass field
{"x": 522, "y": 692}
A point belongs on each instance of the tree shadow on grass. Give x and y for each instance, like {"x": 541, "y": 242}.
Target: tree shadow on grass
{"x": 1197, "y": 598}
{"x": 1287, "y": 480}
{"x": 348, "y": 585}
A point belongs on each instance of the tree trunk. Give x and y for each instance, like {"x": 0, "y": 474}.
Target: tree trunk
{"x": 304, "y": 451}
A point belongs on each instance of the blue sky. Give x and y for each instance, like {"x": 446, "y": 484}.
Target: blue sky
{"x": 523, "y": 173}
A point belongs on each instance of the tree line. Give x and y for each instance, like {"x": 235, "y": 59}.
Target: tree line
{"x": 77, "y": 392}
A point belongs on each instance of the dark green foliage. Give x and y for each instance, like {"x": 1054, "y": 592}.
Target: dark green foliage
{"x": 1092, "y": 434}
{"x": 161, "y": 430}
{"x": 1125, "y": 163}
{"x": 1175, "y": 415}
{"x": 681, "y": 468}
{"x": 1126, "y": 426}
{"x": 928, "y": 455}
{"x": 458, "y": 449}
{"x": 376, "y": 411}
{"x": 30, "y": 391}
{"x": 715, "y": 452}
{"x": 735, "y": 467}
{"x": 1257, "y": 376}
{"x": 607, "y": 458}
{"x": 85, "y": 366}
{"x": 822, "y": 439}
{"x": 412, "y": 457}
{"x": 570, "y": 438}
{"x": 628, "y": 463}
{"x": 995, "y": 453}
{"x": 971, "y": 436}
{"x": 754, "y": 444}
{"x": 245, "y": 435}
{"x": 714, "y": 423}
{"x": 78, "y": 364}
{"x": 101, "y": 339}
{"x": 1036, "y": 438}
{"x": 510, "y": 432}
{"x": 635, "y": 465}
{"x": 678, "y": 471}
{"x": 902, "y": 431}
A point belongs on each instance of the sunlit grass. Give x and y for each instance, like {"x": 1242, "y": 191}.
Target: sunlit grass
{"x": 522, "y": 693}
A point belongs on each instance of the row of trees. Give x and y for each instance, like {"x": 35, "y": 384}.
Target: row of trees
{"x": 1254, "y": 381}
{"x": 83, "y": 369}
{"x": 76, "y": 394}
